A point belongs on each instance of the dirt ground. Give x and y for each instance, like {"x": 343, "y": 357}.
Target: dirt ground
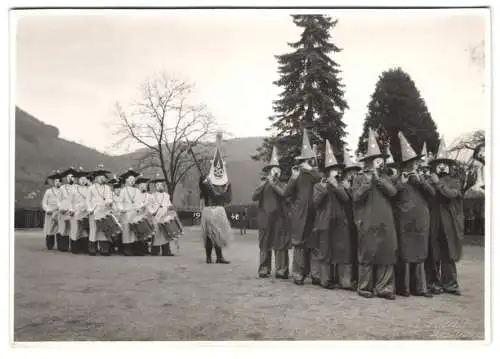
{"x": 65, "y": 297}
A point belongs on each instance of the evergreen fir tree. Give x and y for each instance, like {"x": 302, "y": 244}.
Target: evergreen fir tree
{"x": 313, "y": 95}
{"x": 396, "y": 105}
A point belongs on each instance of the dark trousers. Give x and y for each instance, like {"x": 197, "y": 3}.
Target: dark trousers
{"x": 410, "y": 278}
{"x": 63, "y": 242}
{"x": 49, "y": 242}
{"x": 306, "y": 261}
{"x": 281, "y": 262}
{"x": 376, "y": 279}
{"x": 209, "y": 245}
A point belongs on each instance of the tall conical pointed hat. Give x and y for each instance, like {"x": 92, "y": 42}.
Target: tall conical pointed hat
{"x": 442, "y": 154}
{"x": 389, "y": 160}
{"x": 349, "y": 164}
{"x": 407, "y": 152}
{"x": 274, "y": 162}
{"x": 424, "y": 156}
{"x": 218, "y": 173}
{"x": 306, "y": 150}
{"x": 373, "y": 150}
{"x": 330, "y": 160}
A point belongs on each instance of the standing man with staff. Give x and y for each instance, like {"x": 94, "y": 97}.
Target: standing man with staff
{"x": 215, "y": 192}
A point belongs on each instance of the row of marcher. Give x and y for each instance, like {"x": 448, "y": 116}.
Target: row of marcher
{"x": 373, "y": 226}
{"x": 96, "y": 213}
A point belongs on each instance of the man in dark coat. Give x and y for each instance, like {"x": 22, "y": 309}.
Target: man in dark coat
{"x": 300, "y": 189}
{"x": 413, "y": 220}
{"x": 331, "y": 226}
{"x": 351, "y": 170}
{"x": 271, "y": 219}
{"x": 377, "y": 240}
{"x": 447, "y": 225}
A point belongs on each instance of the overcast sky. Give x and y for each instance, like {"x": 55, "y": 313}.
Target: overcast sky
{"x": 73, "y": 67}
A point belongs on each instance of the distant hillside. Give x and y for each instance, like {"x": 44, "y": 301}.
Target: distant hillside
{"x": 39, "y": 149}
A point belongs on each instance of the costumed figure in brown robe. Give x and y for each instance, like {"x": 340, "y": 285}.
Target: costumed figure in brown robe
{"x": 215, "y": 194}
{"x": 272, "y": 221}
{"x": 373, "y": 215}
{"x": 350, "y": 171}
{"x": 447, "y": 225}
{"x": 50, "y": 205}
{"x": 331, "y": 226}
{"x": 300, "y": 189}
{"x": 412, "y": 223}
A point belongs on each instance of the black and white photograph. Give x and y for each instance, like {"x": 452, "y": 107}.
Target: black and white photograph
{"x": 250, "y": 174}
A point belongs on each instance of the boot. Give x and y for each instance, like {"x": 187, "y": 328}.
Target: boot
{"x": 208, "y": 249}
{"x": 138, "y": 249}
{"x": 104, "y": 248}
{"x": 128, "y": 249}
{"x": 84, "y": 245}
{"x": 220, "y": 257}
{"x": 59, "y": 242}
{"x": 64, "y": 243}
{"x": 49, "y": 242}
{"x": 75, "y": 246}
{"x": 166, "y": 251}
{"x": 92, "y": 248}
{"x": 155, "y": 250}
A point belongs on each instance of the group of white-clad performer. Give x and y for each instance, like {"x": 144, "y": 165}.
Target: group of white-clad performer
{"x": 93, "y": 212}
{"x": 377, "y": 227}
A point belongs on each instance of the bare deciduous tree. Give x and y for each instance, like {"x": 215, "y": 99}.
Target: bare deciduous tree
{"x": 166, "y": 122}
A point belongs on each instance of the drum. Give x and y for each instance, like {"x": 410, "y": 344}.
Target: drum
{"x": 108, "y": 224}
{"x": 142, "y": 226}
{"x": 82, "y": 220}
{"x": 171, "y": 224}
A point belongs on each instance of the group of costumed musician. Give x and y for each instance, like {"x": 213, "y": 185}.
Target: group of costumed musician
{"x": 99, "y": 214}
{"x": 378, "y": 227}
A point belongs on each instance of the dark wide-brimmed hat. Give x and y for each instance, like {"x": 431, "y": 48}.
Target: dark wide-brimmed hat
{"x": 69, "y": 171}
{"x": 100, "y": 171}
{"x": 158, "y": 178}
{"x": 56, "y": 174}
{"x": 130, "y": 172}
{"x": 82, "y": 173}
{"x": 141, "y": 179}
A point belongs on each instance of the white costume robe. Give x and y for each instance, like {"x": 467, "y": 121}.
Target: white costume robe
{"x": 99, "y": 197}
{"x": 50, "y": 203}
{"x": 79, "y": 205}
{"x": 66, "y": 192}
{"x": 158, "y": 204}
{"x": 131, "y": 200}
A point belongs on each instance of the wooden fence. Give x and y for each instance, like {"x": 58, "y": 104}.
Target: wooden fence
{"x": 246, "y": 216}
